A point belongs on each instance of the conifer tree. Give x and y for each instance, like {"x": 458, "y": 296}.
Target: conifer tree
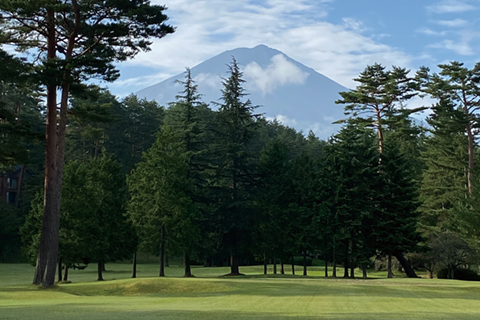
{"x": 235, "y": 130}
{"x": 74, "y": 41}
{"x": 446, "y": 161}
{"x": 378, "y": 99}
{"x": 159, "y": 202}
{"x": 459, "y": 86}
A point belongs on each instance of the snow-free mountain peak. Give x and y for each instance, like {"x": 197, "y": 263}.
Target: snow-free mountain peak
{"x": 295, "y": 94}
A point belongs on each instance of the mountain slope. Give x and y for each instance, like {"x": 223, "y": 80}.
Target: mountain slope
{"x": 296, "y": 95}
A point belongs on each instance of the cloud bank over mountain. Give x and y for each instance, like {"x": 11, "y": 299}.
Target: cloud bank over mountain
{"x": 285, "y": 89}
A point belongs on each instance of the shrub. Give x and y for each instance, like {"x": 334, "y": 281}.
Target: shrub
{"x": 459, "y": 274}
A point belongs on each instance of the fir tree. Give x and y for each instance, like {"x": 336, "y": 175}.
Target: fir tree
{"x": 235, "y": 131}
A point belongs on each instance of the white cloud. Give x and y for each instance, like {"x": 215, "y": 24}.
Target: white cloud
{"x": 338, "y": 51}
{"x": 450, "y": 6}
{"x": 284, "y": 120}
{"x": 208, "y": 79}
{"x": 452, "y": 23}
{"x": 430, "y": 32}
{"x": 279, "y": 73}
{"x": 354, "y": 24}
{"x": 461, "y": 45}
{"x": 142, "y": 81}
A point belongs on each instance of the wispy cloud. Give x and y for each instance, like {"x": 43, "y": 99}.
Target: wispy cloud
{"x": 452, "y": 23}
{"x": 430, "y": 32}
{"x": 354, "y": 24}
{"x": 461, "y": 47}
{"x": 450, "y": 6}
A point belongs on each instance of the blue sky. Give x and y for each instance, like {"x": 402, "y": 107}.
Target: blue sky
{"x": 337, "y": 38}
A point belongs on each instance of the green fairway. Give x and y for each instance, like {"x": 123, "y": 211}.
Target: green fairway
{"x": 253, "y": 296}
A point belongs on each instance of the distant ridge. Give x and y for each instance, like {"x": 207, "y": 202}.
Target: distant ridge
{"x": 297, "y": 95}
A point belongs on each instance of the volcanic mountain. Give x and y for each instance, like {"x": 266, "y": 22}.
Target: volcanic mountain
{"x": 285, "y": 89}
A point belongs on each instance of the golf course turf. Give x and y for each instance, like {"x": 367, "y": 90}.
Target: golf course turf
{"x": 211, "y": 296}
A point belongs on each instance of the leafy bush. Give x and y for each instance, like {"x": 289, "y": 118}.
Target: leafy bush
{"x": 459, "y": 274}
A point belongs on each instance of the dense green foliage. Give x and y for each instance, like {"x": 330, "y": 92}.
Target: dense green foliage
{"x": 227, "y": 187}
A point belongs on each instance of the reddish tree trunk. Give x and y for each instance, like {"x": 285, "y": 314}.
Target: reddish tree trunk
{"x": 48, "y": 249}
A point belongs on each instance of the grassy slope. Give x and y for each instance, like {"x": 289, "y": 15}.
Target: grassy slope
{"x": 211, "y": 297}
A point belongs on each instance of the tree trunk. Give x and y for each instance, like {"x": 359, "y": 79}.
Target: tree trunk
{"x": 326, "y": 267}
{"x": 334, "y": 262}
{"x": 162, "y": 253}
{"x": 364, "y": 271}
{"x": 19, "y": 185}
{"x": 59, "y": 275}
{"x": 345, "y": 273}
{"x": 265, "y": 268}
{"x": 293, "y": 265}
{"x": 186, "y": 262}
{"x": 49, "y": 239}
{"x": 352, "y": 271}
{"x": 471, "y": 154}
{"x": 134, "y": 266}
{"x": 282, "y": 267}
{"x": 405, "y": 264}
{"x": 304, "y": 262}
{"x": 234, "y": 264}
{"x": 274, "y": 264}
{"x": 65, "y": 275}
{"x": 389, "y": 266}
{"x": 100, "y": 270}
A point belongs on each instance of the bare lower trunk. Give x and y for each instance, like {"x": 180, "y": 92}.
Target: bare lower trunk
{"x": 274, "y": 264}
{"x": 334, "y": 262}
{"x": 265, "y": 268}
{"x": 282, "y": 267}
{"x": 345, "y": 273}
{"x": 59, "y": 275}
{"x": 352, "y": 271}
{"x": 326, "y": 267}
{"x": 65, "y": 275}
{"x": 162, "y": 253}
{"x": 100, "y": 270}
{"x": 389, "y": 266}
{"x": 304, "y": 262}
{"x": 364, "y": 271}
{"x": 186, "y": 262}
{"x": 234, "y": 264}
{"x": 405, "y": 264}
{"x": 134, "y": 265}
{"x": 293, "y": 266}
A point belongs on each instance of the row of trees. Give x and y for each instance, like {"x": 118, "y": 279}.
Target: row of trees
{"x": 227, "y": 182}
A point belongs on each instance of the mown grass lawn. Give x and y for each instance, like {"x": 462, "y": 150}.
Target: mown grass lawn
{"x": 210, "y": 296}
